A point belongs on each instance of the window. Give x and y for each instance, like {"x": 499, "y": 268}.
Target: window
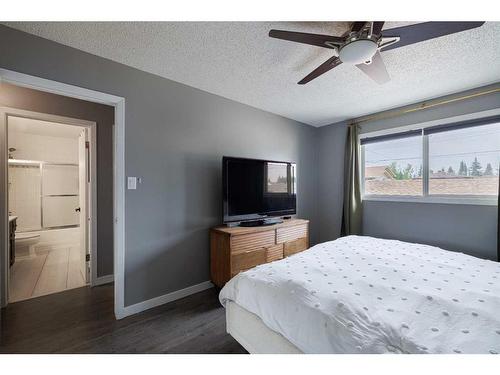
{"x": 465, "y": 161}
{"x": 454, "y": 162}
{"x": 394, "y": 167}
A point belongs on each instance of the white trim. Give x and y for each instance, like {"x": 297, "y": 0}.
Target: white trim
{"x": 54, "y": 87}
{"x": 119, "y": 209}
{"x": 6, "y": 112}
{"x": 436, "y": 199}
{"x": 93, "y": 208}
{"x": 361, "y": 167}
{"x": 4, "y": 214}
{"x": 166, "y": 298}
{"x": 101, "y": 280}
{"x": 425, "y": 165}
{"x": 24, "y": 80}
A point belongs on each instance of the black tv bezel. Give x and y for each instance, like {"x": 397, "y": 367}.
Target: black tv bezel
{"x": 254, "y": 216}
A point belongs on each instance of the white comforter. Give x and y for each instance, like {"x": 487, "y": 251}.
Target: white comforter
{"x": 367, "y": 295}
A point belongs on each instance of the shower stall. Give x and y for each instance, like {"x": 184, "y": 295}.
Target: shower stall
{"x": 45, "y": 198}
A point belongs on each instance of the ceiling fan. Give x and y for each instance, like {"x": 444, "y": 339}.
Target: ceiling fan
{"x": 362, "y": 44}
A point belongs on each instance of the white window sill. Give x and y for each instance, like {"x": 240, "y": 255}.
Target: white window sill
{"x": 472, "y": 200}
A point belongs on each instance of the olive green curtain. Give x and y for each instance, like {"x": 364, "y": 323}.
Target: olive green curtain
{"x": 352, "y": 212}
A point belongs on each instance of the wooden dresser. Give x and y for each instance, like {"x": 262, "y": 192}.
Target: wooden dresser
{"x": 237, "y": 249}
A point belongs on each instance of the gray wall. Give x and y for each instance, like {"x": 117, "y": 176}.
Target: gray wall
{"x": 38, "y": 101}
{"x": 331, "y": 148}
{"x": 456, "y": 108}
{"x": 467, "y": 228}
{"x": 175, "y": 138}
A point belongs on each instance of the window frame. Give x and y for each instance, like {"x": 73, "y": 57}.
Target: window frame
{"x": 425, "y": 197}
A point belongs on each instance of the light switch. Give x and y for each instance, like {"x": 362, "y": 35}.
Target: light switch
{"x": 131, "y": 183}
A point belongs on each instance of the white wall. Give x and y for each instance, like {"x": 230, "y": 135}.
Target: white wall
{"x": 44, "y": 148}
{"x": 24, "y": 196}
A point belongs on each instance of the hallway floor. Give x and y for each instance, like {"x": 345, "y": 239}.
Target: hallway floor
{"x": 48, "y": 272}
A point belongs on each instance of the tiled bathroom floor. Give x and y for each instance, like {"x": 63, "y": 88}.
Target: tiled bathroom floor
{"x": 46, "y": 273}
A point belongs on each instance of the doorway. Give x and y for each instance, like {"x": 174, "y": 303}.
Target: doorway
{"x": 117, "y": 175}
{"x": 51, "y": 174}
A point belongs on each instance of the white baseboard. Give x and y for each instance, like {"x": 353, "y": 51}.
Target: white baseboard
{"x": 103, "y": 280}
{"x": 161, "y": 300}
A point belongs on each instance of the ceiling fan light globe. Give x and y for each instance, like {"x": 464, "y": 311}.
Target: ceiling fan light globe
{"x": 358, "y": 52}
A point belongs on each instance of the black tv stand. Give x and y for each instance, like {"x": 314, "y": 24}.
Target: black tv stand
{"x": 262, "y": 222}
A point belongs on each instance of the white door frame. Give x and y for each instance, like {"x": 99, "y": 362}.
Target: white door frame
{"x": 6, "y": 112}
{"x": 41, "y": 84}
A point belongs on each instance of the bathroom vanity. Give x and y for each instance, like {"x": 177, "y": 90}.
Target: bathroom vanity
{"x": 12, "y": 239}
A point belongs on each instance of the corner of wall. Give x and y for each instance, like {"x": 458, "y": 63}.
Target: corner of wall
{"x": 330, "y": 166}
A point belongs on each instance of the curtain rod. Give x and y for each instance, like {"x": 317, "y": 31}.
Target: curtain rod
{"x": 422, "y": 106}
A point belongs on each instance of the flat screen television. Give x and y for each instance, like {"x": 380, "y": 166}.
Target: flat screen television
{"x": 255, "y": 189}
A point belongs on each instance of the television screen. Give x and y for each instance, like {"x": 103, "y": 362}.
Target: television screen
{"x": 253, "y": 189}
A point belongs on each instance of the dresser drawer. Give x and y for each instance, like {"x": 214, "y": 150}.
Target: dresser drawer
{"x": 291, "y": 233}
{"x": 274, "y": 253}
{"x": 247, "y": 259}
{"x": 252, "y": 241}
{"x": 295, "y": 246}
{"x": 237, "y": 249}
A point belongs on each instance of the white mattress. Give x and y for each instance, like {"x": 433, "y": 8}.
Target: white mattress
{"x": 249, "y": 330}
{"x": 366, "y": 295}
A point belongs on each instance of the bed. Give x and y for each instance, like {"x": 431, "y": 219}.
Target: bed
{"x": 366, "y": 295}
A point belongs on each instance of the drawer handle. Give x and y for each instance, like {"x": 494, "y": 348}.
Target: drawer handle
{"x": 250, "y": 251}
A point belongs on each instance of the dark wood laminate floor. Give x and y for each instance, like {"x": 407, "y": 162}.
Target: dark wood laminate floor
{"x": 82, "y": 321}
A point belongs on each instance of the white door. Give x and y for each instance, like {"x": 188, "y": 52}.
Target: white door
{"x": 83, "y": 197}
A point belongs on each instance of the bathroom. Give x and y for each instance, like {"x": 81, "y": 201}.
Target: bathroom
{"x": 47, "y": 197}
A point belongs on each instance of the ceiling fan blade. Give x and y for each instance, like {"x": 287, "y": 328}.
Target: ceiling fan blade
{"x": 424, "y": 31}
{"x": 376, "y": 70}
{"x": 377, "y": 27}
{"x": 357, "y": 26}
{"x": 306, "y": 38}
{"x": 323, "y": 68}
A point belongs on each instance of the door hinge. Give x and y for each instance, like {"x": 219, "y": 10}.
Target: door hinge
{"x": 87, "y": 257}
{"x": 87, "y": 144}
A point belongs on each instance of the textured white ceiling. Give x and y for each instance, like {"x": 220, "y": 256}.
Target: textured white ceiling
{"x": 237, "y": 60}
